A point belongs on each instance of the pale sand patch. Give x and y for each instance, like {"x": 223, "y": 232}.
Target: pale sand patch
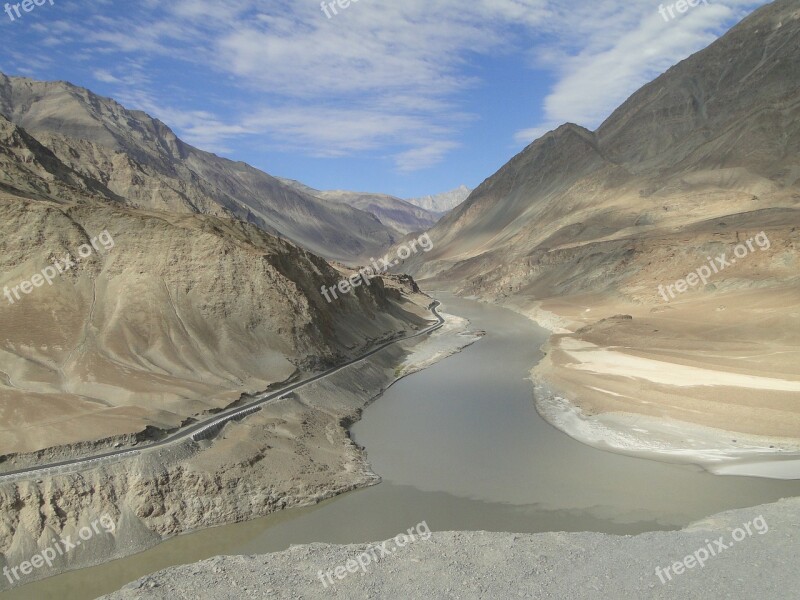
{"x": 602, "y": 360}
{"x": 673, "y": 441}
{"x": 452, "y": 337}
{"x": 711, "y": 381}
{"x": 547, "y": 319}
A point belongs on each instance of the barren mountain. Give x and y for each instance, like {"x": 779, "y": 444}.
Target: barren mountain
{"x": 163, "y": 315}
{"x": 444, "y": 202}
{"x": 141, "y": 160}
{"x": 397, "y": 214}
{"x": 128, "y": 312}
{"x": 582, "y": 226}
{"x": 393, "y": 212}
{"x": 30, "y": 169}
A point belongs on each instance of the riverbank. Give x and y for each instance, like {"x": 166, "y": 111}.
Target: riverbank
{"x": 712, "y": 382}
{"x": 461, "y": 446}
{"x": 294, "y": 452}
{"x": 468, "y": 565}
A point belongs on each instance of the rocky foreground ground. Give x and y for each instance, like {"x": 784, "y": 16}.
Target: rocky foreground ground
{"x": 760, "y": 565}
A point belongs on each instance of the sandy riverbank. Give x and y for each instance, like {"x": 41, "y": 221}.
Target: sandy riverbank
{"x": 713, "y": 382}
{"x": 483, "y": 565}
{"x": 294, "y": 452}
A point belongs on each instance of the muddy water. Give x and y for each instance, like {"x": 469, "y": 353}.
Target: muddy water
{"x": 461, "y": 446}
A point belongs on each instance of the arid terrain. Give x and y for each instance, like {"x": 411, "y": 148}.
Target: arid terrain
{"x": 585, "y": 231}
{"x": 152, "y": 291}
{"x": 505, "y": 565}
{"x": 181, "y": 312}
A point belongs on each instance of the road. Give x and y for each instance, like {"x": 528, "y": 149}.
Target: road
{"x": 218, "y": 420}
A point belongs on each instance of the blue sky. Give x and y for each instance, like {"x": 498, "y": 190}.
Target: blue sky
{"x": 405, "y": 97}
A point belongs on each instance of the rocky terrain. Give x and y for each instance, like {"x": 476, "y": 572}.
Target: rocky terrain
{"x": 134, "y": 302}
{"x": 294, "y": 452}
{"x": 444, "y": 202}
{"x": 173, "y": 315}
{"x": 147, "y": 166}
{"x": 181, "y": 316}
{"x": 584, "y": 225}
{"x": 482, "y": 565}
{"x": 399, "y": 215}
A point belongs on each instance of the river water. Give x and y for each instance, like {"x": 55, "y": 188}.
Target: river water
{"x": 461, "y": 446}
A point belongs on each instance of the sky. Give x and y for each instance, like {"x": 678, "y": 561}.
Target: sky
{"x": 404, "y": 97}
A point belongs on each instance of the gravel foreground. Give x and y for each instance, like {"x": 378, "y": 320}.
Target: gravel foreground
{"x": 485, "y": 565}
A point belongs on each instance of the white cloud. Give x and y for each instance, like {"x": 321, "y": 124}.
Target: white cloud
{"x": 423, "y": 156}
{"x": 105, "y": 76}
{"x": 379, "y": 77}
{"x": 390, "y": 77}
{"x": 617, "y": 57}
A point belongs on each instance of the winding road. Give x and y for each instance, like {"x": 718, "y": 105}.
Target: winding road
{"x": 196, "y": 430}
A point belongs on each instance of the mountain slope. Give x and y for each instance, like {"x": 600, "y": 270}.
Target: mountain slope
{"x": 601, "y": 235}
{"x": 391, "y": 211}
{"x": 173, "y": 315}
{"x": 397, "y": 214}
{"x": 444, "y": 202}
{"x": 673, "y": 154}
{"x": 140, "y": 159}
{"x": 30, "y": 169}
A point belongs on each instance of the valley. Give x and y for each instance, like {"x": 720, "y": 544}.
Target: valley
{"x": 574, "y": 369}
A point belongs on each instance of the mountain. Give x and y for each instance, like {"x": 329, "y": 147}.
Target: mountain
{"x": 393, "y": 212}
{"x": 29, "y": 169}
{"x": 444, "y": 202}
{"x": 671, "y": 156}
{"x": 117, "y": 318}
{"x": 587, "y": 230}
{"x": 141, "y": 160}
{"x": 399, "y": 215}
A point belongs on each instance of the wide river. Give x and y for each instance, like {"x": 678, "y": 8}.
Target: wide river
{"x": 461, "y": 446}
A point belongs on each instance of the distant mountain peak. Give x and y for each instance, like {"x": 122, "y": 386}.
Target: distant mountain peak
{"x": 442, "y": 203}
{"x": 396, "y": 213}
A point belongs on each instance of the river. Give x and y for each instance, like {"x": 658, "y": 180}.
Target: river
{"x": 461, "y": 446}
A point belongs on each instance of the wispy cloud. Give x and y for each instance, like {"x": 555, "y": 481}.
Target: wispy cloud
{"x": 598, "y": 67}
{"x": 423, "y": 156}
{"x": 388, "y": 78}
{"x": 382, "y": 77}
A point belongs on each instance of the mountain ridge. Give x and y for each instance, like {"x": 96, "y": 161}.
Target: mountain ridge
{"x": 444, "y": 202}
{"x": 141, "y": 159}
{"x": 591, "y": 233}
{"x": 399, "y": 215}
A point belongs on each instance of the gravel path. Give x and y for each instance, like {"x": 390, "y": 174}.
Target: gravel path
{"x": 761, "y": 565}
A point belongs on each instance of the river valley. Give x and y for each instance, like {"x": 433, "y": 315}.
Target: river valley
{"x": 461, "y": 447}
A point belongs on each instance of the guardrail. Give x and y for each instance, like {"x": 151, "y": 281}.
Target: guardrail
{"x": 213, "y": 429}
{"x": 210, "y": 430}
